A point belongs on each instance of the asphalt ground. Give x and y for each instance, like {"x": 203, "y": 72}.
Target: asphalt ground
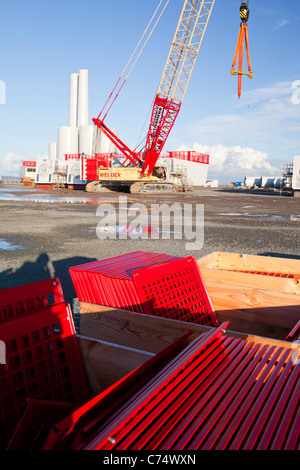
{"x": 45, "y": 232}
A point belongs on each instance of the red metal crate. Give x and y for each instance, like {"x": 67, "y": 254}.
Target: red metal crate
{"x": 109, "y": 281}
{"x": 219, "y": 393}
{"x": 77, "y": 426}
{"x": 36, "y": 423}
{"x": 151, "y": 283}
{"x": 20, "y": 300}
{"x": 42, "y": 361}
{"x": 175, "y": 290}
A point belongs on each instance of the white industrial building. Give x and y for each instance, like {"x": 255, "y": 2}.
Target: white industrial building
{"x": 188, "y": 164}
{"x": 27, "y": 171}
{"x": 79, "y": 137}
{"x": 296, "y": 173}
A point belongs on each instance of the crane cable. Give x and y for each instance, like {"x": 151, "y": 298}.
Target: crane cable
{"x": 242, "y": 38}
{"x": 132, "y": 56}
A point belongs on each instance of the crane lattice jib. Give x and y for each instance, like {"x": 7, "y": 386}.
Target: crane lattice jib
{"x": 184, "y": 49}
{"x": 179, "y": 66}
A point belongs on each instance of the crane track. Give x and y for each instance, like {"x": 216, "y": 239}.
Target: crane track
{"x": 153, "y": 188}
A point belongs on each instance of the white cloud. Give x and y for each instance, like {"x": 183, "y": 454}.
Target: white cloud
{"x": 280, "y": 24}
{"x": 235, "y": 162}
{"x": 266, "y": 119}
{"x": 9, "y": 166}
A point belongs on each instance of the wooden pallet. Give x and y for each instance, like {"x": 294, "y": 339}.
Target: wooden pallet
{"x": 262, "y": 272}
{"x": 257, "y": 294}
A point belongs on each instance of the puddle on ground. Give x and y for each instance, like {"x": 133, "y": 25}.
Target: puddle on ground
{"x": 293, "y": 218}
{"x": 51, "y": 199}
{"x": 5, "y": 245}
{"x": 135, "y": 230}
{"x": 16, "y": 189}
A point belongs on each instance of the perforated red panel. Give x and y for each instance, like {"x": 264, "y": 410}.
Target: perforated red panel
{"x": 109, "y": 281}
{"x": 20, "y": 300}
{"x": 220, "y": 393}
{"x": 175, "y": 290}
{"x": 42, "y": 361}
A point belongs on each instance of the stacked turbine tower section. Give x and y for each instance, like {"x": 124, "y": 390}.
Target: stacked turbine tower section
{"x": 62, "y": 167}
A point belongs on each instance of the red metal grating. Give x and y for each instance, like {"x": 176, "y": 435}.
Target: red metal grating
{"x": 294, "y": 334}
{"x": 175, "y": 290}
{"x": 151, "y": 283}
{"x": 42, "y": 361}
{"x": 36, "y": 423}
{"x": 109, "y": 281}
{"x": 75, "y": 427}
{"x": 220, "y": 392}
{"x": 17, "y": 301}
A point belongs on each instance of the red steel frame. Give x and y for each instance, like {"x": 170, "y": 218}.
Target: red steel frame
{"x": 164, "y": 114}
{"x": 129, "y": 154}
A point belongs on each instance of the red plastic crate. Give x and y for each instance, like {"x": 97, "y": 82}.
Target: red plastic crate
{"x": 42, "y": 361}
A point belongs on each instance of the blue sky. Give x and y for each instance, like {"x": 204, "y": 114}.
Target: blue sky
{"x": 42, "y": 43}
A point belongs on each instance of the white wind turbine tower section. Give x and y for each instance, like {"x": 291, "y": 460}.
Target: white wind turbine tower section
{"x": 73, "y": 100}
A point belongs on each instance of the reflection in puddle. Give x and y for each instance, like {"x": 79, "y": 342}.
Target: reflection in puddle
{"x": 5, "y": 245}
{"x": 46, "y": 198}
{"x": 12, "y": 190}
{"x": 293, "y": 218}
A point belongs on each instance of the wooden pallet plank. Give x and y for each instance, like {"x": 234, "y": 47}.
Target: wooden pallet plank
{"x": 136, "y": 330}
{"x": 106, "y": 363}
{"x": 231, "y": 268}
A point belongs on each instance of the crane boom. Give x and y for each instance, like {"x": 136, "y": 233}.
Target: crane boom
{"x": 184, "y": 49}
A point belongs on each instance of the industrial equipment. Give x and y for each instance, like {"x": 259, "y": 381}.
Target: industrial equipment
{"x": 139, "y": 170}
{"x": 242, "y": 38}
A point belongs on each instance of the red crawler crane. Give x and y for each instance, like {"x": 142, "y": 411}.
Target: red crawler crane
{"x": 138, "y": 170}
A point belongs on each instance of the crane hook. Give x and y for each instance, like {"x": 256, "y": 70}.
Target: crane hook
{"x": 242, "y": 38}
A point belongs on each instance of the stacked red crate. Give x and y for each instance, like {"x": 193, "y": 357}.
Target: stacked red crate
{"x": 150, "y": 283}
{"x": 109, "y": 281}
{"x": 40, "y": 356}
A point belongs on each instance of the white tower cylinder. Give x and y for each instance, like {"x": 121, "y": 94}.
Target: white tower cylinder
{"x": 73, "y": 99}
{"x": 83, "y": 98}
{"x": 97, "y": 140}
{"x": 52, "y": 151}
{"x": 67, "y": 141}
{"x": 86, "y": 135}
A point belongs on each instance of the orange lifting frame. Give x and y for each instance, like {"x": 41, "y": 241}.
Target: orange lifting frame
{"x": 243, "y": 38}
